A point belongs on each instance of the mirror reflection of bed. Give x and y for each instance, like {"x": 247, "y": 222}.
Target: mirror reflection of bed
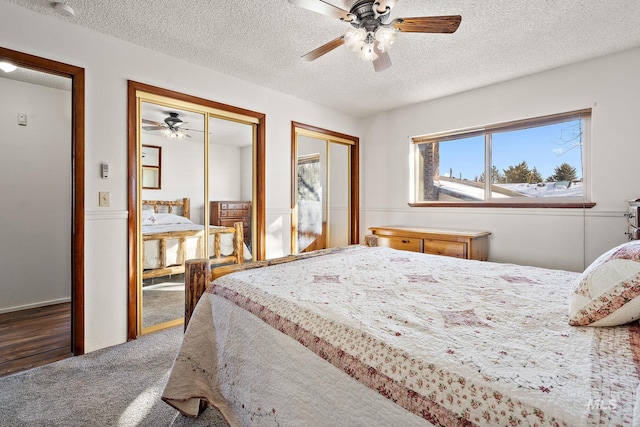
{"x": 169, "y": 238}
{"x": 174, "y": 216}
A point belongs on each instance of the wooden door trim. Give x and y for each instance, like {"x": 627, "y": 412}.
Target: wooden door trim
{"x": 76, "y": 74}
{"x": 259, "y": 182}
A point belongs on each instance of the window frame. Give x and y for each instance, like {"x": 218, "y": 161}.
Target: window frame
{"x": 546, "y": 202}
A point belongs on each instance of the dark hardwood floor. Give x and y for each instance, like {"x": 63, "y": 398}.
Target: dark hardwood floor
{"x": 34, "y": 337}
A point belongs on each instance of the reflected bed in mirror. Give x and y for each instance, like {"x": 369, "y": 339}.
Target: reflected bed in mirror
{"x": 169, "y": 238}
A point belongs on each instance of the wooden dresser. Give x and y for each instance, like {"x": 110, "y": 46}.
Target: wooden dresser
{"x": 437, "y": 241}
{"x": 227, "y": 213}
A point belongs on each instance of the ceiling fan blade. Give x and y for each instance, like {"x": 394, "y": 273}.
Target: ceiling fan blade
{"x": 325, "y": 48}
{"x": 323, "y": 8}
{"x": 428, "y": 24}
{"x": 382, "y": 5}
{"x": 383, "y": 61}
{"x": 158, "y": 127}
{"x": 151, "y": 122}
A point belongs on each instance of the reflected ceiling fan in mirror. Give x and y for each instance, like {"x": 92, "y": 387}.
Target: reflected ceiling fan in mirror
{"x": 372, "y": 33}
{"x": 172, "y": 127}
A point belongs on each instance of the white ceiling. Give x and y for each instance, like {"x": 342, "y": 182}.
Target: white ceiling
{"x": 261, "y": 41}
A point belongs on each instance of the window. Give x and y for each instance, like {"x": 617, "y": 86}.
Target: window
{"x": 523, "y": 163}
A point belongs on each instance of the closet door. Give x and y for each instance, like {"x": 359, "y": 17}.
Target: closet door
{"x": 324, "y": 189}
{"x": 184, "y": 152}
{"x": 172, "y": 158}
{"x": 231, "y": 175}
{"x": 339, "y": 194}
{"x": 312, "y": 194}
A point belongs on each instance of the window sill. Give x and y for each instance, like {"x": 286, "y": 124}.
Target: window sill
{"x": 535, "y": 205}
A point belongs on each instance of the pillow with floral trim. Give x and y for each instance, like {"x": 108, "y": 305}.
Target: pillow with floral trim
{"x": 608, "y": 292}
{"x": 149, "y": 217}
{"x": 167, "y": 219}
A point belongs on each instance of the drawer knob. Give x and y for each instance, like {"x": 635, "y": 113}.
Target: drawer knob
{"x": 405, "y": 241}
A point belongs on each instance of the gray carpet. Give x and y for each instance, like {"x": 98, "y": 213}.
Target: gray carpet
{"x": 116, "y": 386}
{"x": 162, "y": 302}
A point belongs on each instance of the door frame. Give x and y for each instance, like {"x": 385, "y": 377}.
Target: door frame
{"x": 76, "y": 74}
{"x": 354, "y": 177}
{"x": 133, "y": 88}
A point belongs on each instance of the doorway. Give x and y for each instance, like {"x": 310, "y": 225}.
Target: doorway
{"x": 325, "y": 193}
{"x": 186, "y": 154}
{"x": 67, "y": 210}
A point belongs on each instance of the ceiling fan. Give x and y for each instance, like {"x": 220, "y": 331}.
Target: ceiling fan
{"x": 372, "y": 33}
{"x": 171, "y": 128}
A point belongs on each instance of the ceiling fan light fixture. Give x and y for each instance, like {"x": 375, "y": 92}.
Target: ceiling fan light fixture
{"x": 173, "y": 133}
{"x": 367, "y": 53}
{"x": 372, "y": 32}
{"x": 355, "y": 39}
{"x": 385, "y": 37}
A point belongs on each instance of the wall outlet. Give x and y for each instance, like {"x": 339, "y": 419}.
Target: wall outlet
{"x": 104, "y": 199}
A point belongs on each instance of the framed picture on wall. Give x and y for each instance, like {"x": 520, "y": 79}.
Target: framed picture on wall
{"x": 151, "y": 167}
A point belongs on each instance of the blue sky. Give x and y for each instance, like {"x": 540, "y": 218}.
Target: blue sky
{"x": 544, "y": 147}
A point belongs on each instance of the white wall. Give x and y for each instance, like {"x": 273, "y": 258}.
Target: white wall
{"x": 559, "y": 238}
{"x": 182, "y": 172}
{"x": 35, "y": 189}
{"x": 108, "y": 64}
{"x": 226, "y": 172}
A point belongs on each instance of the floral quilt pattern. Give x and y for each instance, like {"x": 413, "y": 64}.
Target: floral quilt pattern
{"x": 458, "y": 343}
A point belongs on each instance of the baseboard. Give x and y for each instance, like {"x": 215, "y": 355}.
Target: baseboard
{"x": 34, "y": 305}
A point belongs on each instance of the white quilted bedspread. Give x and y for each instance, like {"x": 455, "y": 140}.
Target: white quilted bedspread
{"x": 428, "y": 339}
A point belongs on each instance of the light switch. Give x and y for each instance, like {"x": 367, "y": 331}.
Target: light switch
{"x": 22, "y": 119}
{"x": 105, "y": 199}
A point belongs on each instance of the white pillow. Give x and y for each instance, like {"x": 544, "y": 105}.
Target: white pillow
{"x": 167, "y": 219}
{"x": 608, "y": 292}
{"x": 148, "y": 217}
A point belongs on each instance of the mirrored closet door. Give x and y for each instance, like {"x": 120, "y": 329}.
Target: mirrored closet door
{"x": 172, "y": 209}
{"x": 325, "y": 189}
{"x": 188, "y": 158}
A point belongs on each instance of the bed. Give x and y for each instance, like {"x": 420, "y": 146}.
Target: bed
{"x": 375, "y": 336}
{"x": 169, "y": 237}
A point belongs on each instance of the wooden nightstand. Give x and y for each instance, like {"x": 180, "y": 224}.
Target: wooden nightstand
{"x": 437, "y": 241}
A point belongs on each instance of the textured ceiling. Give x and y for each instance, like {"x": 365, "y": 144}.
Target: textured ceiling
{"x": 38, "y": 78}
{"x": 262, "y": 41}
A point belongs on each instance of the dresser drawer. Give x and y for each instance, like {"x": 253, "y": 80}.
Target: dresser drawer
{"x": 402, "y": 243}
{"x": 436, "y": 241}
{"x": 231, "y": 206}
{"x": 441, "y": 247}
{"x": 234, "y": 213}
